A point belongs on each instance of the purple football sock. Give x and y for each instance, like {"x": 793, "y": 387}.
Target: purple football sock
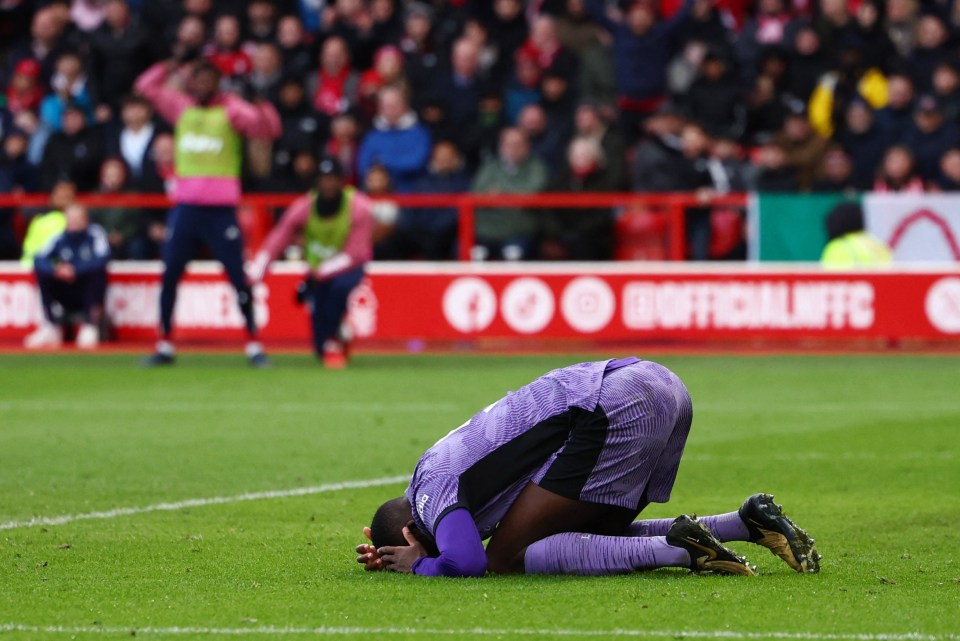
{"x": 726, "y": 527}
{"x": 588, "y": 554}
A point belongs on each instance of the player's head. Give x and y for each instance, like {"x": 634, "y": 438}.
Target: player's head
{"x": 389, "y": 521}
{"x": 204, "y": 82}
{"x": 329, "y": 185}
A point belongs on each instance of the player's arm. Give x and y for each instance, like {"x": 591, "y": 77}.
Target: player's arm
{"x": 169, "y": 103}
{"x": 358, "y": 248}
{"x": 291, "y": 223}
{"x": 258, "y": 120}
{"x": 461, "y": 550}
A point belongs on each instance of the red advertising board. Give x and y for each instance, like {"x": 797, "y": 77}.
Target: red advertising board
{"x": 616, "y": 302}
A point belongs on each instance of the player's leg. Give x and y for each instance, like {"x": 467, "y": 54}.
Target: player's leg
{"x": 329, "y": 305}
{"x": 221, "y": 233}
{"x": 599, "y": 481}
{"x": 91, "y": 292}
{"x": 177, "y": 250}
{"x": 49, "y": 333}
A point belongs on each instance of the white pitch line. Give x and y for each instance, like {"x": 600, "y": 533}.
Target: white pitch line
{"x": 214, "y": 500}
{"x": 478, "y": 632}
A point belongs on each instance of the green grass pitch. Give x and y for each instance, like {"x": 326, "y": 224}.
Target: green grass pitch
{"x": 861, "y": 450}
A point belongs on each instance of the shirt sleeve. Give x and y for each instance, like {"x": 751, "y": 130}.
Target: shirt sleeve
{"x": 292, "y": 221}
{"x": 169, "y": 103}
{"x": 260, "y": 121}
{"x": 461, "y": 549}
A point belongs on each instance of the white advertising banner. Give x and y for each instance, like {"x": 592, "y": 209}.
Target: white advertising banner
{"x": 917, "y": 227}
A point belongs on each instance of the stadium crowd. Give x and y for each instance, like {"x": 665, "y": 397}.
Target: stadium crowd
{"x": 706, "y": 96}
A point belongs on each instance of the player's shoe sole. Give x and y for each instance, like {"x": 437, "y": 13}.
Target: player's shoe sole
{"x": 259, "y": 361}
{"x": 707, "y": 554}
{"x": 772, "y": 529}
{"x": 157, "y": 360}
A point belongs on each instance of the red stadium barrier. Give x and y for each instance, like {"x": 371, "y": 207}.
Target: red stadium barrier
{"x": 256, "y": 217}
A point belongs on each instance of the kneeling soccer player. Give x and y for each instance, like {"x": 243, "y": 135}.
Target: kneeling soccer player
{"x": 555, "y": 474}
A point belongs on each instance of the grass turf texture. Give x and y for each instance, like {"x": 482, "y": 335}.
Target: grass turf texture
{"x": 862, "y": 450}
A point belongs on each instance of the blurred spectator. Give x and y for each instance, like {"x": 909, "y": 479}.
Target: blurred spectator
{"x": 766, "y": 110}
{"x": 685, "y": 67}
{"x": 877, "y": 45}
{"x": 69, "y": 84}
{"x": 295, "y": 47}
{"x": 575, "y": 29}
{"x": 837, "y": 175}
{"x": 508, "y": 29}
{"x": 706, "y": 25}
{"x": 88, "y": 15}
{"x": 834, "y": 24}
{"x": 161, "y": 157}
{"x": 642, "y": 47}
{"x": 378, "y": 185}
{"x": 191, "y": 36}
{"x": 930, "y": 47}
{"x": 24, "y": 92}
{"x": 335, "y": 86}
{"x": 559, "y": 102}
{"x": 267, "y": 71}
{"x": 523, "y": 87}
{"x": 949, "y": 177}
{"x": 261, "y": 21}
{"x": 295, "y": 172}
{"x": 767, "y": 29}
{"x": 946, "y": 89}
{"x": 901, "y": 20}
{"x": 806, "y": 64}
{"x": 119, "y": 51}
{"x": 583, "y": 233}
{"x": 854, "y": 78}
{"x": 303, "y": 127}
{"x": 715, "y": 101}
{"x": 44, "y": 45}
{"x": 930, "y": 136}
{"x": 508, "y": 233}
{"x": 897, "y": 172}
{"x": 16, "y": 176}
{"x": 121, "y": 224}
{"x": 48, "y": 224}
{"x": 225, "y": 52}
{"x": 417, "y": 46}
{"x": 848, "y": 244}
{"x": 458, "y": 89}
{"x": 729, "y": 168}
{"x": 773, "y": 173}
{"x": 491, "y": 119}
{"x": 475, "y": 31}
{"x": 590, "y": 123}
{"x": 387, "y": 70}
{"x": 698, "y": 174}
{"x": 545, "y": 47}
{"x": 865, "y": 141}
{"x": 132, "y": 142}
{"x": 896, "y": 117}
{"x": 546, "y": 142}
{"x": 657, "y": 159}
{"x": 803, "y": 146}
{"x": 71, "y": 274}
{"x": 397, "y": 141}
{"x": 74, "y": 153}
{"x": 344, "y": 144}
{"x": 430, "y": 233}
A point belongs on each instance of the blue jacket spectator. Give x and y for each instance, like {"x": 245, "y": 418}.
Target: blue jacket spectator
{"x": 930, "y": 136}
{"x": 397, "y": 141}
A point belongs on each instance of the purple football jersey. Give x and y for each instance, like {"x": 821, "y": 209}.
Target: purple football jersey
{"x": 484, "y": 464}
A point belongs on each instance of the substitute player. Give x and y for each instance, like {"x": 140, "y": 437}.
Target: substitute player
{"x": 555, "y": 474}
{"x": 209, "y": 154}
{"x": 337, "y": 224}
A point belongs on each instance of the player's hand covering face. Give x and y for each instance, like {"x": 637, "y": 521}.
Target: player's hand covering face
{"x": 369, "y": 556}
{"x": 402, "y": 558}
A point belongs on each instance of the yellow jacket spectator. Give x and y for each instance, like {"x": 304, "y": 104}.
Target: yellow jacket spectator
{"x": 44, "y": 227}
{"x": 849, "y": 245}
{"x": 854, "y": 77}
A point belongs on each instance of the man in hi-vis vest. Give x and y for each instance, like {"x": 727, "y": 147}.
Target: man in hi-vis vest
{"x": 337, "y": 226}
{"x": 209, "y": 126}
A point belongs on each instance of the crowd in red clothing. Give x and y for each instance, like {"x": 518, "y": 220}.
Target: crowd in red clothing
{"x": 707, "y": 96}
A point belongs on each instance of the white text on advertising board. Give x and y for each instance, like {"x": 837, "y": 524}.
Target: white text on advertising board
{"x": 748, "y": 305}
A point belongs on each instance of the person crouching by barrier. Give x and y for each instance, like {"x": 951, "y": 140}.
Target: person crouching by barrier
{"x": 71, "y": 273}
{"x": 337, "y": 225}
